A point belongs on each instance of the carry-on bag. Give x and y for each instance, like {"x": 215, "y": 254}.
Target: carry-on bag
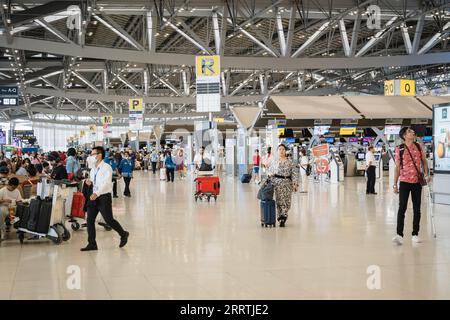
{"x": 245, "y": 178}
{"x": 45, "y": 214}
{"x": 35, "y": 207}
{"x": 78, "y": 202}
{"x": 266, "y": 191}
{"x": 268, "y": 213}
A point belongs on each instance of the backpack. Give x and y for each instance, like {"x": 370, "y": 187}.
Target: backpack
{"x": 402, "y": 151}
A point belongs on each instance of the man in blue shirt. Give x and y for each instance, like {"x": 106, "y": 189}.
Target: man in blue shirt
{"x": 126, "y": 168}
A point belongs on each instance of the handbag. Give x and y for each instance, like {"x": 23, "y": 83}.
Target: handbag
{"x": 266, "y": 191}
{"x": 420, "y": 175}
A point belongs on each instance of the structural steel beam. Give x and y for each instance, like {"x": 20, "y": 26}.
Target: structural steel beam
{"x": 256, "y": 63}
{"x": 418, "y": 34}
{"x": 113, "y": 26}
{"x": 113, "y": 98}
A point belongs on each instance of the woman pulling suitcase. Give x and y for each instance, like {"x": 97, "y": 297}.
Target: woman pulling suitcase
{"x": 284, "y": 176}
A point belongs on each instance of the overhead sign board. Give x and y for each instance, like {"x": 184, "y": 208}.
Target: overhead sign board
{"x": 107, "y": 119}
{"x": 207, "y": 70}
{"x": 8, "y": 101}
{"x": 136, "y": 114}
{"x": 400, "y": 87}
{"x": 9, "y": 91}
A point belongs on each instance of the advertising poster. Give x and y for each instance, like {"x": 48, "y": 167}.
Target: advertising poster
{"x": 441, "y": 127}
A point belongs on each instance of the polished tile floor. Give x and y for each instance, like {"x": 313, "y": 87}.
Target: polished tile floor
{"x": 180, "y": 249}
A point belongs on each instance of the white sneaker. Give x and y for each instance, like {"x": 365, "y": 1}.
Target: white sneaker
{"x": 416, "y": 239}
{"x": 398, "y": 240}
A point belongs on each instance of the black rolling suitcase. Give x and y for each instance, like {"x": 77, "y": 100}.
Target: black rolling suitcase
{"x": 45, "y": 214}
{"x": 245, "y": 178}
{"x": 23, "y": 213}
{"x": 35, "y": 207}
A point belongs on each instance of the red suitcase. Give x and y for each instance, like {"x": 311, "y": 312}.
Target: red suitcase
{"x": 207, "y": 186}
{"x": 78, "y": 205}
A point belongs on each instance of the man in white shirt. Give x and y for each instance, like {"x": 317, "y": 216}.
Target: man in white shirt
{"x": 101, "y": 200}
{"x": 370, "y": 169}
{"x": 201, "y": 157}
{"x": 8, "y": 196}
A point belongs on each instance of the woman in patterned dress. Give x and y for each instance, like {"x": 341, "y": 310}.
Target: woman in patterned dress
{"x": 284, "y": 175}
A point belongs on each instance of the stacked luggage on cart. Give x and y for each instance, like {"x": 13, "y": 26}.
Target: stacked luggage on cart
{"x": 43, "y": 216}
{"x": 206, "y": 186}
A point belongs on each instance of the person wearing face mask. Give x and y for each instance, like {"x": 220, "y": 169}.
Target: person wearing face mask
{"x": 126, "y": 168}
{"x": 284, "y": 175}
{"x": 101, "y": 201}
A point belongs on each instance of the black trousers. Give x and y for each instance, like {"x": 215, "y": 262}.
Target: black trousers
{"x": 127, "y": 181}
{"x": 170, "y": 173}
{"x": 114, "y": 180}
{"x": 154, "y": 167}
{"x": 102, "y": 204}
{"x": 416, "y": 194}
{"x": 371, "y": 178}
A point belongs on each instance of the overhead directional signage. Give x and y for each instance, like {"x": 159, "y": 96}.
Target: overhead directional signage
{"x": 136, "y": 114}
{"x": 9, "y": 96}
{"x": 107, "y": 119}
{"x": 400, "y": 87}
{"x": 207, "y": 70}
{"x": 9, "y": 91}
{"x": 8, "y": 101}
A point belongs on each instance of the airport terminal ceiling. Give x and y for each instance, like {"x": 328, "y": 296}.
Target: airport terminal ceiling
{"x": 147, "y": 48}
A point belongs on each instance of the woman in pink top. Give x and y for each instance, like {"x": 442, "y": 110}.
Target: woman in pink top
{"x": 409, "y": 160}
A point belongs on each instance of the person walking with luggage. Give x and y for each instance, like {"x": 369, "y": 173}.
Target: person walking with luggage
{"x": 126, "y": 168}
{"x": 154, "y": 160}
{"x": 370, "y": 170}
{"x": 284, "y": 175}
{"x": 170, "y": 166}
{"x": 256, "y": 164}
{"x": 409, "y": 157}
{"x": 101, "y": 201}
{"x": 305, "y": 169}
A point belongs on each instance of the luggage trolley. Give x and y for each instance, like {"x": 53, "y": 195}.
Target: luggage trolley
{"x": 34, "y": 220}
{"x": 206, "y": 186}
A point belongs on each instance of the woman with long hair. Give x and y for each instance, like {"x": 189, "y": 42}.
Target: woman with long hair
{"x": 284, "y": 175}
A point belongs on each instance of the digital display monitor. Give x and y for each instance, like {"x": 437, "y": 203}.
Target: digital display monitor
{"x": 353, "y": 139}
{"x": 427, "y": 139}
{"x": 441, "y": 127}
{"x": 290, "y": 140}
{"x": 329, "y": 140}
{"x": 347, "y": 130}
{"x": 377, "y": 157}
{"x": 392, "y": 130}
{"x": 361, "y": 156}
{"x": 321, "y": 130}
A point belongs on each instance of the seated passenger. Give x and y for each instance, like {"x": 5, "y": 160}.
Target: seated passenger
{"x": 8, "y": 195}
